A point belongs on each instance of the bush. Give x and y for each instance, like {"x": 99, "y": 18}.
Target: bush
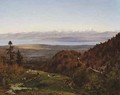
{"x": 92, "y": 83}
{"x": 9, "y": 73}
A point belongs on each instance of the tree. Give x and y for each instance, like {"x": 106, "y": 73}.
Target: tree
{"x": 19, "y": 57}
{"x": 10, "y": 52}
{"x": 10, "y": 43}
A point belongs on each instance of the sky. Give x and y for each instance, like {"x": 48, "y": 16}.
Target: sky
{"x": 59, "y": 15}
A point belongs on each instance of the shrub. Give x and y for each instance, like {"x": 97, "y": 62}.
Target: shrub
{"x": 9, "y": 73}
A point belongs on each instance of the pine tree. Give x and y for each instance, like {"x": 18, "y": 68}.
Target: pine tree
{"x": 10, "y": 52}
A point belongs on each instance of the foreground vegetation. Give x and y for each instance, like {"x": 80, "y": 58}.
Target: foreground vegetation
{"x": 16, "y": 80}
{"x": 83, "y": 81}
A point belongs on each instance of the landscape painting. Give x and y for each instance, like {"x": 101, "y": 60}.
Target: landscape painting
{"x": 59, "y": 47}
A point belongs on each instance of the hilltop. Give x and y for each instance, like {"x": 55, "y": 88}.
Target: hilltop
{"x": 64, "y": 61}
{"x": 104, "y": 54}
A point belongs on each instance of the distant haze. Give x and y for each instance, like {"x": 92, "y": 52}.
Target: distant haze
{"x": 57, "y": 38}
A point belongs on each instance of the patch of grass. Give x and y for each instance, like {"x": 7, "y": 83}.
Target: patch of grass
{"x": 53, "y": 82}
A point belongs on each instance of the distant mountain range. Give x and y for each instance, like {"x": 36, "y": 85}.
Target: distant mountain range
{"x": 85, "y": 36}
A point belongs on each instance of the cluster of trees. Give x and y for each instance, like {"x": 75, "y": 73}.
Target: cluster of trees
{"x": 11, "y": 56}
{"x": 10, "y": 62}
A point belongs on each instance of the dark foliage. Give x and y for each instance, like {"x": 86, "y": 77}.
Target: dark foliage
{"x": 19, "y": 57}
{"x": 10, "y": 53}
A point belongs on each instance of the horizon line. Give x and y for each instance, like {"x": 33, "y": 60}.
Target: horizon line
{"x": 65, "y": 31}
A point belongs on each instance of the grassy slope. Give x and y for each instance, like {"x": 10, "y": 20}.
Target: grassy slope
{"x": 43, "y": 83}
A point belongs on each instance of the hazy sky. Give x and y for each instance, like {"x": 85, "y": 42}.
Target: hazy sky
{"x": 48, "y": 15}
